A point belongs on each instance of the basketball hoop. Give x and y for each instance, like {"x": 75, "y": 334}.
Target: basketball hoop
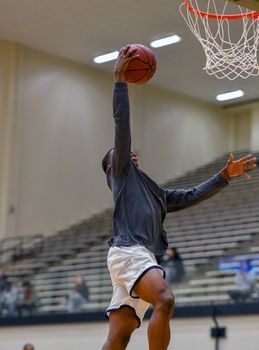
{"x": 229, "y": 53}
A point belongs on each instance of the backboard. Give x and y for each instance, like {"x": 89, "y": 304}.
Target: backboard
{"x": 250, "y": 4}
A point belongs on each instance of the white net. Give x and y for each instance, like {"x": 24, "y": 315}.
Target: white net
{"x": 231, "y": 50}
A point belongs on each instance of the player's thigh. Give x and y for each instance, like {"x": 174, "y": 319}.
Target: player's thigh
{"x": 122, "y": 322}
{"x": 152, "y": 287}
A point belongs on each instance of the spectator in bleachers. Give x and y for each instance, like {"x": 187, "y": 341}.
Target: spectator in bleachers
{"x": 79, "y": 296}
{"x": 173, "y": 266}
{"x": 3, "y": 280}
{"x": 28, "y": 346}
{"x": 9, "y": 300}
{"x": 28, "y": 300}
{"x": 245, "y": 281}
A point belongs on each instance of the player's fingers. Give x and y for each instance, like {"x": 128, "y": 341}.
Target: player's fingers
{"x": 121, "y": 50}
{"x": 131, "y": 53}
{"x": 131, "y": 58}
{"x": 121, "y": 54}
{"x": 250, "y": 161}
{"x": 250, "y": 167}
{"x": 124, "y": 50}
{"x": 127, "y": 50}
{"x": 231, "y": 159}
{"x": 246, "y": 176}
{"x": 246, "y": 157}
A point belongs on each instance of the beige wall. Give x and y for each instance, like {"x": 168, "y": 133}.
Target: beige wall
{"x": 243, "y": 130}
{"x": 255, "y": 127}
{"x": 64, "y": 128}
{"x": 245, "y": 126}
{"x": 62, "y": 119}
{"x": 2, "y": 133}
{"x": 180, "y": 133}
{"x": 194, "y": 333}
{"x": 8, "y": 98}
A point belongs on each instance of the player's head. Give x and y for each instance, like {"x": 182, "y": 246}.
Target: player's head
{"x": 107, "y": 159}
{"x": 106, "y": 162}
{"x": 28, "y": 346}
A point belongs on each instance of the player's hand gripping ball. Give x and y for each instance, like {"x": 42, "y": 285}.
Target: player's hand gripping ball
{"x": 142, "y": 68}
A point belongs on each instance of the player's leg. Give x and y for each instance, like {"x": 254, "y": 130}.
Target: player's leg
{"x": 122, "y": 323}
{"x": 153, "y": 289}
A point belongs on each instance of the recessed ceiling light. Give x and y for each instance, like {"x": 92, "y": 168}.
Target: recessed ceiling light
{"x": 107, "y": 57}
{"x": 230, "y": 95}
{"x": 166, "y": 41}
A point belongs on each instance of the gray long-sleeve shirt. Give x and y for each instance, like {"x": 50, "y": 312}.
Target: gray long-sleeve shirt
{"x": 140, "y": 205}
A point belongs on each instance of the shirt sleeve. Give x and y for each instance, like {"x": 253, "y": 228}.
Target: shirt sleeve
{"x": 121, "y": 115}
{"x": 181, "y": 199}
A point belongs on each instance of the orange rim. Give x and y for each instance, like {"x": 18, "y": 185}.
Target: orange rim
{"x": 253, "y": 14}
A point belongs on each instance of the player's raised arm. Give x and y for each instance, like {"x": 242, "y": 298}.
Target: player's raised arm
{"x": 121, "y": 112}
{"x": 181, "y": 199}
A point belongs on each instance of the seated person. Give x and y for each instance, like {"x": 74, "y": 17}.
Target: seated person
{"x": 245, "y": 281}
{"x": 28, "y": 300}
{"x": 79, "y": 296}
{"x": 173, "y": 266}
{"x": 3, "y": 280}
{"x": 9, "y": 300}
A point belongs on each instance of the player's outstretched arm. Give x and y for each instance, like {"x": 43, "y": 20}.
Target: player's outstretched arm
{"x": 121, "y": 112}
{"x": 239, "y": 167}
{"x": 181, "y": 199}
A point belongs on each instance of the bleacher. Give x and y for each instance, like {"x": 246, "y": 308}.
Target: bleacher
{"x": 226, "y": 225}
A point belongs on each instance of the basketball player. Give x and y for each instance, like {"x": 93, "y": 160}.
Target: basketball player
{"x": 139, "y": 240}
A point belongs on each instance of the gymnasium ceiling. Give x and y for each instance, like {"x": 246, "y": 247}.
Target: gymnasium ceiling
{"x": 82, "y": 29}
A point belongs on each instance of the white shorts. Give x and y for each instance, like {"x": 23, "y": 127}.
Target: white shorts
{"x": 127, "y": 265}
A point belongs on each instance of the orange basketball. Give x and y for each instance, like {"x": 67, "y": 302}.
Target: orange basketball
{"x": 141, "y": 69}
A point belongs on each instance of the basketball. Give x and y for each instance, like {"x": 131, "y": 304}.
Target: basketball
{"x": 141, "y": 69}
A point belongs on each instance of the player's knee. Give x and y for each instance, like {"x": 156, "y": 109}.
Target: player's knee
{"x": 166, "y": 302}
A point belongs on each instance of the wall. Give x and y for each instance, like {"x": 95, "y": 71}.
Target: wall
{"x": 8, "y": 89}
{"x": 255, "y": 127}
{"x": 2, "y": 133}
{"x": 64, "y": 129}
{"x": 62, "y": 119}
{"x": 242, "y": 333}
{"x": 243, "y": 130}
{"x": 181, "y": 133}
{"x": 245, "y": 126}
